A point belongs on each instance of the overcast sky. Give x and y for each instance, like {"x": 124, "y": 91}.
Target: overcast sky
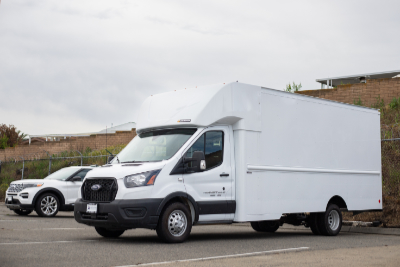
{"x": 76, "y": 66}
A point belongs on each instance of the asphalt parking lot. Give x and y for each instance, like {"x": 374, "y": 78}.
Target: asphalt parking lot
{"x": 60, "y": 241}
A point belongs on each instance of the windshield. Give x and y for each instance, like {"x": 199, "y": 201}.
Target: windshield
{"x": 62, "y": 174}
{"x": 154, "y": 146}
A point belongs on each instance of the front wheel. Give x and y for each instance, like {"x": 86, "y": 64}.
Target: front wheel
{"x": 175, "y": 223}
{"x": 23, "y": 212}
{"x": 108, "y": 233}
{"x": 47, "y": 205}
{"x": 269, "y": 226}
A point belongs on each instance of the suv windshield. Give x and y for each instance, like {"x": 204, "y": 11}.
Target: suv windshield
{"x": 154, "y": 146}
{"x": 62, "y": 174}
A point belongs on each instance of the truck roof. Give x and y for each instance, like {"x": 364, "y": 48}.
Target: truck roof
{"x": 233, "y": 103}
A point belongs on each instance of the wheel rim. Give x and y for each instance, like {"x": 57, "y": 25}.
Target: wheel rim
{"x": 177, "y": 223}
{"x": 333, "y": 220}
{"x": 48, "y": 205}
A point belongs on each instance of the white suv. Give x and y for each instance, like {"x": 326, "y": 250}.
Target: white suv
{"x": 56, "y": 192}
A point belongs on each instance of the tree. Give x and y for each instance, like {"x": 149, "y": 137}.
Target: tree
{"x": 293, "y": 88}
{"x": 10, "y": 136}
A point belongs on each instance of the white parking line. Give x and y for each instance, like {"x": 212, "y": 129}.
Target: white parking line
{"x": 48, "y": 242}
{"x": 35, "y": 229}
{"x": 19, "y": 220}
{"x": 286, "y": 250}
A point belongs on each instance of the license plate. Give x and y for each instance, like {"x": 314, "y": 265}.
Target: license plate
{"x": 91, "y": 208}
{"x": 9, "y": 199}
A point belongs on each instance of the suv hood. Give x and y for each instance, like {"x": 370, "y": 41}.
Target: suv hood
{"x": 119, "y": 171}
{"x": 30, "y": 181}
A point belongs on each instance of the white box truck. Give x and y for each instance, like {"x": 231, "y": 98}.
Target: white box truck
{"x": 230, "y": 153}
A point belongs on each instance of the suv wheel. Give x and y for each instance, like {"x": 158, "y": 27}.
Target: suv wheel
{"x": 109, "y": 233}
{"x": 23, "y": 212}
{"x": 175, "y": 223}
{"x": 47, "y": 205}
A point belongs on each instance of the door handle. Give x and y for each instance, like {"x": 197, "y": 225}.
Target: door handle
{"x": 224, "y": 174}
{"x": 180, "y": 179}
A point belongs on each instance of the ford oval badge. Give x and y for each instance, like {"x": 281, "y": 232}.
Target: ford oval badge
{"x": 95, "y": 187}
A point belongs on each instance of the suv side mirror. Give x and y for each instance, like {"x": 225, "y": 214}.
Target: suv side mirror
{"x": 76, "y": 179}
{"x": 198, "y": 160}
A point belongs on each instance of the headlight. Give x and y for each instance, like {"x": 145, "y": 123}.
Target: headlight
{"x": 31, "y": 185}
{"x": 141, "y": 179}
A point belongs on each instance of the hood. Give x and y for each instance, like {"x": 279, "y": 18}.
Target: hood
{"x": 119, "y": 171}
{"x": 30, "y": 181}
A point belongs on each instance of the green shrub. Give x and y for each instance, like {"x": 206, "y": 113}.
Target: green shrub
{"x": 358, "y": 102}
{"x": 395, "y": 103}
{"x": 293, "y": 88}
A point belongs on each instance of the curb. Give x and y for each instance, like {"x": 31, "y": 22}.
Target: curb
{"x": 371, "y": 230}
{"x": 345, "y": 229}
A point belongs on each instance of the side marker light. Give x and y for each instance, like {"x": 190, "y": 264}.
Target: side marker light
{"x": 151, "y": 181}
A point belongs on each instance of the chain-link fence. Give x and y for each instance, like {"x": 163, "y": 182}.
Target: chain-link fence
{"x": 42, "y": 163}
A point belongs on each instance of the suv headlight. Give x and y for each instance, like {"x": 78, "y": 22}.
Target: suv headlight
{"x": 141, "y": 179}
{"x": 32, "y": 185}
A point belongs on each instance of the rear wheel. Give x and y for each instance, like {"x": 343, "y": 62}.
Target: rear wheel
{"x": 109, "y": 233}
{"x": 330, "y": 222}
{"x": 175, "y": 223}
{"x": 313, "y": 221}
{"x": 23, "y": 212}
{"x": 47, "y": 205}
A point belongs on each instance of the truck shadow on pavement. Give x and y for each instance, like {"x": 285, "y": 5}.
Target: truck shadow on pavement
{"x": 201, "y": 237}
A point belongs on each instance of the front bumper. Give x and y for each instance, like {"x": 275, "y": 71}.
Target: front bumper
{"x": 120, "y": 214}
{"x": 15, "y": 204}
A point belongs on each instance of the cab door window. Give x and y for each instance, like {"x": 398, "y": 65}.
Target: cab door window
{"x": 212, "y": 145}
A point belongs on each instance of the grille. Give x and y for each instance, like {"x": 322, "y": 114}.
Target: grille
{"x": 106, "y": 193}
{"x": 92, "y": 216}
{"x": 15, "y": 188}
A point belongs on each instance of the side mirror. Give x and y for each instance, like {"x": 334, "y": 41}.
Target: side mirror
{"x": 110, "y": 158}
{"x": 198, "y": 162}
{"x": 76, "y": 179}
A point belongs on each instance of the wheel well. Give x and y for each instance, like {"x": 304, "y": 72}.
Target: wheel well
{"x": 184, "y": 201}
{"x": 55, "y": 192}
{"x": 337, "y": 200}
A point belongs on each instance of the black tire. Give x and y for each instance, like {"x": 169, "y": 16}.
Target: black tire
{"x": 256, "y": 227}
{"x": 23, "y": 212}
{"x": 313, "y": 221}
{"x": 268, "y": 226}
{"x": 330, "y": 222}
{"x": 53, "y": 208}
{"x": 109, "y": 233}
{"x": 172, "y": 216}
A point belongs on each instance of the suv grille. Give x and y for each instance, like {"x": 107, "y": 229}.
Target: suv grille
{"x": 15, "y": 188}
{"x": 107, "y": 192}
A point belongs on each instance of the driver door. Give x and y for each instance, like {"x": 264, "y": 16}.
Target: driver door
{"x": 212, "y": 188}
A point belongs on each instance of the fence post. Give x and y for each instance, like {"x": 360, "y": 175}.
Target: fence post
{"x": 49, "y": 165}
{"x": 0, "y": 166}
{"x": 23, "y": 167}
{"x": 81, "y": 156}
